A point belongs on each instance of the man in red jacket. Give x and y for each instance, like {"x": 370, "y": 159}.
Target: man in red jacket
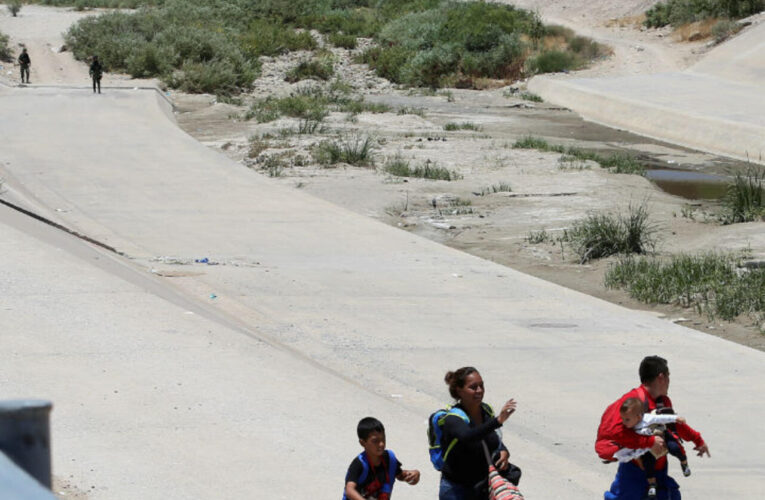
{"x": 630, "y": 482}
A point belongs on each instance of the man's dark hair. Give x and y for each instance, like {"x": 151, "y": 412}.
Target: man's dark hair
{"x": 367, "y": 426}
{"x": 651, "y": 367}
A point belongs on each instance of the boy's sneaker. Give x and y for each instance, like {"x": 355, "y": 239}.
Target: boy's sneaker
{"x": 651, "y": 495}
{"x": 686, "y": 470}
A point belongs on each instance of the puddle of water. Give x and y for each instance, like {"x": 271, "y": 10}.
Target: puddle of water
{"x": 688, "y": 184}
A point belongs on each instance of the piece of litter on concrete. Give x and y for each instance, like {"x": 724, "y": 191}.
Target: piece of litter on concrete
{"x": 213, "y": 296}
{"x": 679, "y": 320}
{"x": 396, "y": 396}
{"x": 203, "y": 260}
{"x": 671, "y": 161}
{"x": 188, "y": 312}
{"x": 135, "y": 88}
{"x": 457, "y": 275}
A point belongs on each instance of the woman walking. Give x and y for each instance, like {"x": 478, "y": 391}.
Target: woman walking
{"x": 464, "y": 474}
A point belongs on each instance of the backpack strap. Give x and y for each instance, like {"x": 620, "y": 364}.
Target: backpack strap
{"x": 456, "y": 411}
{"x": 488, "y": 409}
{"x": 364, "y": 472}
{"x": 392, "y": 466}
{"x": 365, "y": 467}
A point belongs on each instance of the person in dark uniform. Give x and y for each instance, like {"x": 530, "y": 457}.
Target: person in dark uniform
{"x": 24, "y": 62}
{"x": 96, "y": 70}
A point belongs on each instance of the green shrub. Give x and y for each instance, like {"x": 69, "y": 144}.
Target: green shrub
{"x": 724, "y": 28}
{"x": 221, "y": 76}
{"x": 712, "y": 283}
{"x": 6, "y": 54}
{"x": 184, "y": 45}
{"x": 263, "y": 110}
{"x": 388, "y": 63}
{"x": 677, "y": 12}
{"x": 601, "y": 235}
{"x": 343, "y": 41}
{"x": 14, "y": 6}
{"x": 307, "y": 106}
{"x": 319, "y": 69}
{"x": 267, "y": 38}
{"x": 148, "y": 60}
{"x": 435, "y": 46}
{"x": 553, "y": 61}
{"x": 327, "y": 153}
{"x": 360, "y": 21}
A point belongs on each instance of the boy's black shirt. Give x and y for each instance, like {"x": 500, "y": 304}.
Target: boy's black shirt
{"x": 377, "y": 477}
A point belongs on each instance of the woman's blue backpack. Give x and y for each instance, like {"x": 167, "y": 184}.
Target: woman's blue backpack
{"x": 435, "y": 434}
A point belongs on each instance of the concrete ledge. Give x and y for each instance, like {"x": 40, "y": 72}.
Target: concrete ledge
{"x": 656, "y": 107}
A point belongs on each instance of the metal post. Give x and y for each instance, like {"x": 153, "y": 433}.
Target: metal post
{"x": 25, "y": 436}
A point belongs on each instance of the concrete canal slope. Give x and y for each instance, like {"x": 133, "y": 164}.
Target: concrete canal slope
{"x": 716, "y": 105}
{"x": 243, "y": 377}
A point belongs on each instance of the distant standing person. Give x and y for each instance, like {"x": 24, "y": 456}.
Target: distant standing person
{"x": 24, "y": 62}
{"x": 96, "y": 70}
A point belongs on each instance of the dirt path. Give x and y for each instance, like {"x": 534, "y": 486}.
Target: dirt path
{"x": 40, "y": 29}
{"x": 635, "y": 50}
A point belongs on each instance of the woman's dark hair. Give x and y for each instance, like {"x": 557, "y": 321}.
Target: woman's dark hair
{"x": 456, "y": 379}
{"x": 367, "y": 426}
{"x": 651, "y": 367}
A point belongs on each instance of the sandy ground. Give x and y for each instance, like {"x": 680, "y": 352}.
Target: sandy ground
{"x": 546, "y": 194}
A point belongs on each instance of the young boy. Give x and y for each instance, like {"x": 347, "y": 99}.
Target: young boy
{"x": 371, "y": 474}
{"x": 647, "y": 424}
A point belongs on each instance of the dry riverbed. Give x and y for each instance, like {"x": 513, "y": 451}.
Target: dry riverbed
{"x": 545, "y": 192}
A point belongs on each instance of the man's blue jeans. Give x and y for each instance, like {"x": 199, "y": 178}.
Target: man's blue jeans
{"x": 630, "y": 484}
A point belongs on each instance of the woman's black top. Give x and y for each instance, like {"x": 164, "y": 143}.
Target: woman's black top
{"x": 466, "y": 462}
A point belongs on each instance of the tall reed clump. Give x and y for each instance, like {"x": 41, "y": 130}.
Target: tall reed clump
{"x": 712, "y": 283}
{"x": 356, "y": 150}
{"x": 744, "y": 199}
{"x": 601, "y": 235}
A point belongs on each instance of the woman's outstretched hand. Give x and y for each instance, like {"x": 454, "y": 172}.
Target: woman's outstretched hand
{"x": 506, "y": 411}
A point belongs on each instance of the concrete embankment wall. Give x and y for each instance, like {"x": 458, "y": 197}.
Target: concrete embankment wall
{"x": 717, "y": 106}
